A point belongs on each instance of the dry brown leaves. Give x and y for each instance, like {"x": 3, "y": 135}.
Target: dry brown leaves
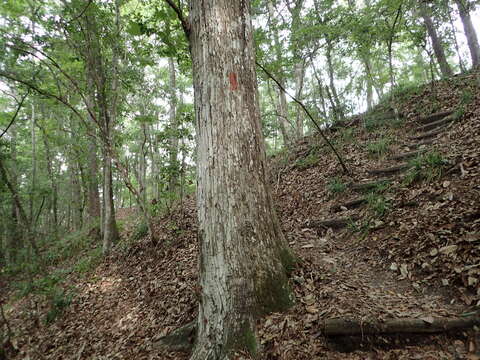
{"x": 420, "y": 262}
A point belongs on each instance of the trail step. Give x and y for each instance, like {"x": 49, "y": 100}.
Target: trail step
{"x": 389, "y": 171}
{"x": 429, "y": 134}
{"x": 335, "y": 223}
{"x": 420, "y": 143}
{"x": 406, "y": 155}
{"x": 436, "y": 124}
{"x": 434, "y": 117}
{"x": 367, "y": 185}
{"x": 352, "y": 204}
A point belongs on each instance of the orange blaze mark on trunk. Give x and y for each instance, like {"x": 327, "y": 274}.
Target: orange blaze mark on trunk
{"x": 233, "y": 81}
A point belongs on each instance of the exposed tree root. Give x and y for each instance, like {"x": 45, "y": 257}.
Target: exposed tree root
{"x": 182, "y": 339}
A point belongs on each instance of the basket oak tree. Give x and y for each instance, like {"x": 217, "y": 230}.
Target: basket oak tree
{"x": 244, "y": 256}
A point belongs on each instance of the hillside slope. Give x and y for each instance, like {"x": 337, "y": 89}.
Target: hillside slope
{"x": 405, "y": 247}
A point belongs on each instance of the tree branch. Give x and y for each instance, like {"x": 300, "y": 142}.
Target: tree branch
{"x": 340, "y": 160}
{"x": 183, "y": 20}
{"x": 16, "y": 113}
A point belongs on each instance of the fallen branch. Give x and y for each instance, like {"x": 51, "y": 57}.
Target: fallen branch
{"x": 182, "y": 339}
{"x": 430, "y": 325}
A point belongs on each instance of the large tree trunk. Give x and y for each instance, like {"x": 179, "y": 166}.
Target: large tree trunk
{"x": 243, "y": 253}
{"x": 470, "y": 34}
{"x": 436, "y": 42}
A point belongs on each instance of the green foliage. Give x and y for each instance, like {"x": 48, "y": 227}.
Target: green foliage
{"x": 310, "y": 160}
{"x": 336, "y": 186}
{"x": 88, "y": 262}
{"x": 59, "y": 299}
{"x": 467, "y": 97}
{"x": 377, "y": 203}
{"x": 141, "y": 230}
{"x": 373, "y": 123}
{"x": 427, "y": 166}
{"x": 380, "y": 147}
{"x": 347, "y": 135}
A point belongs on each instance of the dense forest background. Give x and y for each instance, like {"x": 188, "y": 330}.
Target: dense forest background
{"x": 97, "y": 109}
{"x": 97, "y": 100}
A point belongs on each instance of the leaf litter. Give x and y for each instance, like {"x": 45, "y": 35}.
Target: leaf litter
{"x": 420, "y": 259}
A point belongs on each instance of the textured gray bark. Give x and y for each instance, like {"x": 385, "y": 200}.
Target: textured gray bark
{"x": 242, "y": 249}
{"x": 469, "y": 30}
{"x": 436, "y": 42}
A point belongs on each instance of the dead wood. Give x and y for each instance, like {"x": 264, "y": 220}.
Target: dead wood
{"x": 367, "y": 185}
{"x": 182, "y": 339}
{"x": 428, "y": 325}
{"x": 436, "y": 124}
{"x": 336, "y": 223}
{"x": 349, "y": 204}
{"x": 390, "y": 170}
{"x": 429, "y": 134}
{"x": 420, "y": 143}
{"x": 434, "y": 117}
{"x": 406, "y": 155}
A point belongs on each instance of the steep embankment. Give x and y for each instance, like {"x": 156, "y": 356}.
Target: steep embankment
{"x": 371, "y": 251}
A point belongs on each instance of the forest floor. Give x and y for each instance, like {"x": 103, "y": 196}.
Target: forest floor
{"x": 407, "y": 247}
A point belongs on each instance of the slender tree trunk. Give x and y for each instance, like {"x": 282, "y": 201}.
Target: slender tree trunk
{"x": 93, "y": 207}
{"x": 52, "y": 176}
{"x": 436, "y": 42}
{"x": 34, "y": 164}
{"x": 243, "y": 252}
{"x": 455, "y": 38}
{"x": 110, "y": 230}
{"x": 299, "y": 80}
{"x": 338, "y": 106}
{"x": 76, "y": 192}
{"x": 14, "y": 238}
{"x": 282, "y": 107}
{"x": 173, "y": 151}
{"x": 368, "y": 75}
{"x": 22, "y": 215}
{"x": 469, "y": 30}
{"x": 320, "y": 88}
{"x": 142, "y": 165}
{"x": 275, "y": 99}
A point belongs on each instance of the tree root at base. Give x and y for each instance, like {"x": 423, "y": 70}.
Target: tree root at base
{"x": 182, "y": 339}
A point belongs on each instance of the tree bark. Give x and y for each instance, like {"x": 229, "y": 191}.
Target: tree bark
{"x": 470, "y": 34}
{"x": 338, "y": 111}
{"x": 173, "y": 151}
{"x": 282, "y": 106}
{"x": 299, "y": 80}
{"x": 52, "y": 178}
{"x": 436, "y": 42}
{"x": 243, "y": 253}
